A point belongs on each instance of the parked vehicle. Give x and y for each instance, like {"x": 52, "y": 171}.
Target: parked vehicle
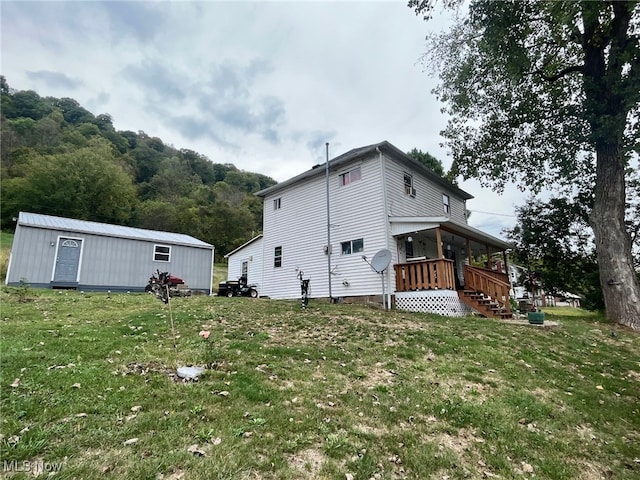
{"x": 237, "y": 288}
{"x": 164, "y": 285}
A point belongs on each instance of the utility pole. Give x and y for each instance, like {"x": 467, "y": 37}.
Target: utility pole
{"x": 328, "y": 225}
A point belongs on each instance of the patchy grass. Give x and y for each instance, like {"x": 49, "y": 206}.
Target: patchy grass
{"x": 219, "y": 274}
{"x": 572, "y": 312}
{"x": 87, "y": 384}
{"x": 6, "y": 240}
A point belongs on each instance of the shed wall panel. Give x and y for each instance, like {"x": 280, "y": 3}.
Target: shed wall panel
{"x": 107, "y": 262}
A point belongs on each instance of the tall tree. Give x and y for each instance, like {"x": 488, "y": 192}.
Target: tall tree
{"x": 540, "y": 92}
{"x": 553, "y": 239}
{"x": 427, "y": 160}
{"x": 85, "y": 184}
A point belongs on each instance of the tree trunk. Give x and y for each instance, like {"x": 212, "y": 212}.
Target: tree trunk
{"x": 613, "y": 243}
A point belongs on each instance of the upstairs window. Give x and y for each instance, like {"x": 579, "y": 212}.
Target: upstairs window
{"x": 446, "y": 207}
{"x": 349, "y": 177}
{"x": 277, "y": 203}
{"x": 277, "y": 257}
{"x": 352, "y": 246}
{"x": 408, "y": 185}
{"x": 161, "y": 253}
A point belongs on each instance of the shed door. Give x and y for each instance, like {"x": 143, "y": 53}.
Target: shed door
{"x": 68, "y": 260}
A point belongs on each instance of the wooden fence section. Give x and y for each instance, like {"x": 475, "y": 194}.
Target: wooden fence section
{"x": 482, "y": 280}
{"x": 425, "y": 275}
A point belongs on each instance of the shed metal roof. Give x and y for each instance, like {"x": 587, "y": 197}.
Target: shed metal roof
{"x": 105, "y": 229}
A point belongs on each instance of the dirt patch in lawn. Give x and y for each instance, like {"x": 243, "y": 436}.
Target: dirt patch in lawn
{"x": 308, "y": 462}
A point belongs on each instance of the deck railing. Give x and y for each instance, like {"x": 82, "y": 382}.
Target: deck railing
{"x": 488, "y": 282}
{"x": 424, "y": 275}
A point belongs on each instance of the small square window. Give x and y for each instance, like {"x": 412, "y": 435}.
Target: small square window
{"x": 350, "y": 176}
{"x": 277, "y": 203}
{"x": 161, "y": 253}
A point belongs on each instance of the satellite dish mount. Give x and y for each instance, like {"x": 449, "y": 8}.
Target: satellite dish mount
{"x": 379, "y": 264}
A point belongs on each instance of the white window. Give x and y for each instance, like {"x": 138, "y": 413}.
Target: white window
{"x": 352, "y": 246}
{"x": 446, "y": 208}
{"x": 349, "y": 177}
{"x": 277, "y": 203}
{"x": 408, "y": 185}
{"x": 277, "y": 257}
{"x": 161, "y": 253}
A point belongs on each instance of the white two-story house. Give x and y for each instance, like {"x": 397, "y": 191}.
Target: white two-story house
{"x": 330, "y": 222}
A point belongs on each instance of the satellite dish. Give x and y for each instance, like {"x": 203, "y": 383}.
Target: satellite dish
{"x": 381, "y": 260}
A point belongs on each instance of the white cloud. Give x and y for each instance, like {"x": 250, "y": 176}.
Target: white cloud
{"x": 262, "y": 85}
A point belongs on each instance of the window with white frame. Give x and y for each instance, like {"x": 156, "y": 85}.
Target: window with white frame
{"x": 245, "y": 268}
{"x": 352, "y": 246}
{"x": 277, "y": 257}
{"x": 277, "y": 203}
{"x": 161, "y": 253}
{"x": 349, "y": 177}
{"x": 408, "y": 185}
{"x": 446, "y": 207}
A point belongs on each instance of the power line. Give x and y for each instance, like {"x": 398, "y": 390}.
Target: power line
{"x": 493, "y": 213}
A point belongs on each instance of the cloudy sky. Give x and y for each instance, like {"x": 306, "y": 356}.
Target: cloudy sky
{"x": 262, "y": 85}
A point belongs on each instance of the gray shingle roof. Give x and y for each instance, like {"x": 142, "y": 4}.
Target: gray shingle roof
{"x": 356, "y": 153}
{"x": 83, "y": 226}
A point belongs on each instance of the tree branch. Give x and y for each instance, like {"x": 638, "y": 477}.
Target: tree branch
{"x": 562, "y": 73}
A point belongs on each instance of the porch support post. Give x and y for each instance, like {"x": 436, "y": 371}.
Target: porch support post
{"x": 469, "y": 253}
{"x": 439, "y": 242}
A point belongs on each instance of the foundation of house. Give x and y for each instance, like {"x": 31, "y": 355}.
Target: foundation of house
{"x": 441, "y": 302}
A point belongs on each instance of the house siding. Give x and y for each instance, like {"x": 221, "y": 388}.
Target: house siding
{"x": 300, "y": 228}
{"x": 107, "y": 263}
{"x": 360, "y": 210}
{"x": 428, "y": 199}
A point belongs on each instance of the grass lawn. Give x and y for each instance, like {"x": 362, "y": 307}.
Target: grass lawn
{"x": 6, "y": 239}
{"x": 334, "y": 391}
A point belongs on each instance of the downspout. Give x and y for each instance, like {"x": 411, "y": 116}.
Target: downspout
{"x": 386, "y": 224}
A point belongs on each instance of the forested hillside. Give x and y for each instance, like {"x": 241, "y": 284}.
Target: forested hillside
{"x": 60, "y": 159}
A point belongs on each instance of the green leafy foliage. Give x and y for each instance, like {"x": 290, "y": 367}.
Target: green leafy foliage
{"x": 540, "y": 94}
{"x": 554, "y": 239}
{"x": 427, "y": 160}
{"x": 58, "y": 158}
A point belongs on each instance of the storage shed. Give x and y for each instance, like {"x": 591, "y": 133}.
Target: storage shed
{"x": 57, "y": 252}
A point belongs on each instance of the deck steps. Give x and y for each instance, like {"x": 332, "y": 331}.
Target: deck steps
{"x": 484, "y": 305}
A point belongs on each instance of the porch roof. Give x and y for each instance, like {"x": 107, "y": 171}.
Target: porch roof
{"x": 406, "y": 225}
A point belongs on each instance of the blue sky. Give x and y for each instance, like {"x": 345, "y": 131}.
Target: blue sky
{"x": 262, "y": 85}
